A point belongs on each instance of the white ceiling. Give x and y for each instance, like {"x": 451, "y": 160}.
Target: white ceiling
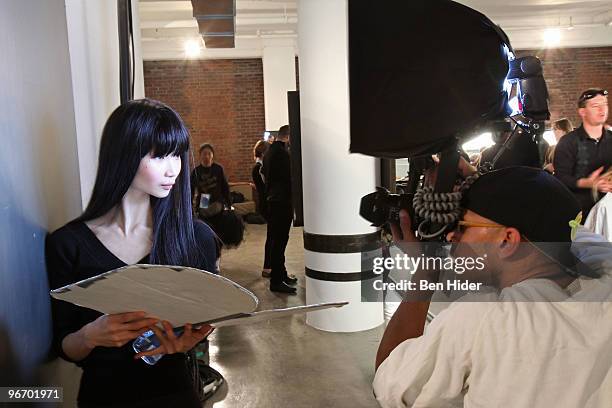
{"x": 166, "y": 24}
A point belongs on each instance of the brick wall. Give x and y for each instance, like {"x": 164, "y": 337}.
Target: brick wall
{"x": 221, "y": 101}
{"x": 569, "y": 71}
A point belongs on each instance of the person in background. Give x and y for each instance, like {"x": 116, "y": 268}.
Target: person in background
{"x": 277, "y": 177}
{"x": 210, "y": 190}
{"x": 560, "y": 128}
{"x": 584, "y": 154}
{"x": 600, "y": 217}
{"x": 260, "y": 149}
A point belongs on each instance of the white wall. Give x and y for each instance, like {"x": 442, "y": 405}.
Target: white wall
{"x": 59, "y": 81}
{"x": 39, "y": 177}
{"x": 279, "y": 77}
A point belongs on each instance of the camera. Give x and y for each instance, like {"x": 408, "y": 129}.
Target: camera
{"x": 382, "y": 206}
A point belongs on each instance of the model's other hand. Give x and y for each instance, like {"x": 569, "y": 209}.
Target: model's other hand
{"x": 117, "y": 329}
{"x": 170, "y": 343}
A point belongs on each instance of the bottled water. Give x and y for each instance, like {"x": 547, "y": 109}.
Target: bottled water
{"x": 149, "y": 341}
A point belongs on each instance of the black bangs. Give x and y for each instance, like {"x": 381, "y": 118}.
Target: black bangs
{"x": 160, "y": 130}
{"x": 169, "y": 139}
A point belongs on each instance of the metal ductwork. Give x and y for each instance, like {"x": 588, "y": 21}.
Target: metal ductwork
{"x": 216, "y": 21}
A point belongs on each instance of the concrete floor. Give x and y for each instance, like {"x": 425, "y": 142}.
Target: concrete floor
{"x": 284, "y": 362}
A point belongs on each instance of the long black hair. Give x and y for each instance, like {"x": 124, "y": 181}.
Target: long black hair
{"x": 133, "y": 130}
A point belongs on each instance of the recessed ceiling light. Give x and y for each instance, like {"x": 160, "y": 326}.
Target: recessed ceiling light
{"x": 552, "y": 37}
{"x": 192, "y": 48}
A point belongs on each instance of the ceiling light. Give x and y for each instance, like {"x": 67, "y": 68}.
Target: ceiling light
{"x": 552, "y": 37}
{"x": 192, "y": 48}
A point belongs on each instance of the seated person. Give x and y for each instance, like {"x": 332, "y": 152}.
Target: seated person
{"x": 209, "y": 185}
{"x": 501, "y": 349}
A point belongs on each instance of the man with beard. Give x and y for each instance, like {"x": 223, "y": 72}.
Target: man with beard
{"x": 542, "y": 338}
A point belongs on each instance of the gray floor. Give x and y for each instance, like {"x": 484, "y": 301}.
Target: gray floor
{"x": 284, "y": 362}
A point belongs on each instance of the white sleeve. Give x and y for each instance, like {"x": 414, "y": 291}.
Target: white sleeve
{"x": 594, "y": 250}
{"x": 599, "y": 220}
{"x": 432, "y": 370}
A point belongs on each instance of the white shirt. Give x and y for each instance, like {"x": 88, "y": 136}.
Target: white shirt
{"x": 512, "y": 353}
{"x": 600, "y": 217}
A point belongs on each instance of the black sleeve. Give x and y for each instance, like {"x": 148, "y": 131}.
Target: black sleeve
{"x": 285, "y": 174}
{"x": 257, "y": 180}
{"x": 564, "y": 162}
{"x": 265, "y": 172}
{"x": 61, "y": 257}
{"x": 209, "y": 244}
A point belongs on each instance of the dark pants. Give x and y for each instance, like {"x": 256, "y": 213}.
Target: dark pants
{"x": 279, "y": 224}
{"x": 268, "y": 249}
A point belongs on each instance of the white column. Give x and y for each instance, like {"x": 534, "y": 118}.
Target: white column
{"x": 279, "y": 77}
{"x": 334, "y": 180}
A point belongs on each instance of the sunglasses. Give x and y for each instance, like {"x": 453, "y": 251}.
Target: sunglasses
{"x": 591, "y": 94}
{"x": 461, "y": 226}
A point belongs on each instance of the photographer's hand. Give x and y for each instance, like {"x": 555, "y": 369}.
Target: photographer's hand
{"x": 408, "y": 321}
{"x": 403, "y": 232}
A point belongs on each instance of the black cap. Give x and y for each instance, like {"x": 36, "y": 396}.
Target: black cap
{"x": 535, "y": 203}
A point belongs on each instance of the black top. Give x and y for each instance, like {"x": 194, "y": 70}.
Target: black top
{"x": 110, "y": 374}
{"x": 569, "y": 167}
{"x": 260, "y": 187}
{"x": 211, "y": 180}
{"x": 277, "y": 173}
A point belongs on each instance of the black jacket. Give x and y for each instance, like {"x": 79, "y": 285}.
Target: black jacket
{"x": 211, "y": 180}
{"x": 260, "y": 186}
{"x": 277, "y": 173}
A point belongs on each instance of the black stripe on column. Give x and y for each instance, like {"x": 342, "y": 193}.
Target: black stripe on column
{"x": 340, "y": 277}
{"x": 342, "y": 244}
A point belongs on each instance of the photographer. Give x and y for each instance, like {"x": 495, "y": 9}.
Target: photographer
{"x": 512, "y": 347}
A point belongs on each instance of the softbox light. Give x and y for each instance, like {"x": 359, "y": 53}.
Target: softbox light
{"x": 422, "y": 73}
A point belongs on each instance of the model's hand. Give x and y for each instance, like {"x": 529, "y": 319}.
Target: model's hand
{"x": 170, "y": 343}
{"x": 117, "y": 329}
